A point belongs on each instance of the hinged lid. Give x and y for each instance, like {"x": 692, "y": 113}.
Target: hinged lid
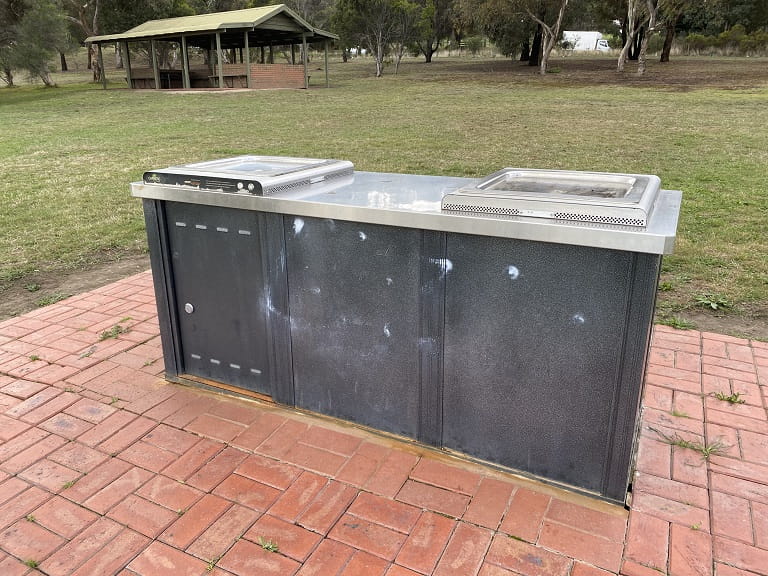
{"x": 258, "y": 175}
{"x": 624, "y": 199}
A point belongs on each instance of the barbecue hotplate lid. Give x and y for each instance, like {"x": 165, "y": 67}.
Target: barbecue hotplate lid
{"x": 599, "y": 197}
{"x": 258, "y": 175}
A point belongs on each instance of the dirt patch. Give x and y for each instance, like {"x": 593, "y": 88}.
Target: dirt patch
{"x": 682, "y": 74}
{"x": 745, "y": 323}
{"x": 45, "y": 287}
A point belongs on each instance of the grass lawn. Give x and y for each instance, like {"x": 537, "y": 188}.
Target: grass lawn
{"x": 68, "y": 154}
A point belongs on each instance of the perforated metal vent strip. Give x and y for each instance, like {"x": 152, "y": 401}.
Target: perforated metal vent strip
{"x": 286, "y": 187}
{"x": 599, "y": 219}
{"x": 482, "y": 209}
{"x": 340, "y": 174}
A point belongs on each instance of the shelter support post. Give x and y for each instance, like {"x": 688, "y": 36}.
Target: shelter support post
{"x": 304, "y": 59}
{"x": 325, "y": 47}
{"x": 185, "y": 63}
{"x": 127, "y": 62}
{"x": 101, "y": 67}
{"x": 155, "y": 69}
{"x": 220, "y": 60}
{"x": 293, "y": 54}
{"x": 247, "y": 61}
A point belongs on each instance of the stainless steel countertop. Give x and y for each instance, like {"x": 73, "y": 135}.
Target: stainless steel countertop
{"x": 413, "y": 201}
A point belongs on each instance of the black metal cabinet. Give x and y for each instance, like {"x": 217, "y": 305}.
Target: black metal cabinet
{"x": 535, "y": 344}
{"x": 526, "y": 354}
{"x": 355, "y": 299}
{"x": 217, "y": 269}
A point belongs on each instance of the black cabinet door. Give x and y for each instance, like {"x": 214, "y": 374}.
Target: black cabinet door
{"x": 216, "y": 266}
{"x": 355, "y": 307}
{"x": 533, "y": 353}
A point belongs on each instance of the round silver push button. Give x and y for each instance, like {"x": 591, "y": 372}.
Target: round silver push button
{"x": 188, "y": 308}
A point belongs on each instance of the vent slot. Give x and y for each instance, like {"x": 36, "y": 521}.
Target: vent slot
{"x": 213, "y": 184}
{"x": 620, "y": 220}
{"x": 482, "y": 209}
{"x": 286, "y": 187}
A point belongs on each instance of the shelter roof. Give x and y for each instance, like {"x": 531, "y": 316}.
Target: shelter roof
{"x": 277, "y": 20}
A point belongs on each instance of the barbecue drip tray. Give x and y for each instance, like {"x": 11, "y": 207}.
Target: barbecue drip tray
{"x": 597, "y": 197}
{"x": 257, "y": 175}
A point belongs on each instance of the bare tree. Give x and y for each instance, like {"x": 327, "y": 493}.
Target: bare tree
{"x": 652, "y": 9}
{"x": 549, "y": 32}
{"x": 373, "y": 23}
{"x": 633, "y": 9}
{"x": 641, "y": 19}
{"x": 407, "y": 16}
{"x": 85, "y": 14}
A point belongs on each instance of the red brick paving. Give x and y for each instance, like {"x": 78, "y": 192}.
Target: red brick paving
{"x": 107, "y": 469}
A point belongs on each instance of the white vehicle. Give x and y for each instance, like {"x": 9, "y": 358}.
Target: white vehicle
{"x": 585, "y": 41}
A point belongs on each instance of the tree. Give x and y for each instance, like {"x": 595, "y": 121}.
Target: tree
{"x": 36, "y": 36}
{"x": 512, "y": 23}
{"x": 634, "y": 11}
{"x": 116, "y": 16}
{"x": 501, "y": 21}
{"x": 210, "y": 6}
{"x": 670, "y": 12}
{"x": 651, "y": 9}
{"x": 409, "y": 18}
{"x": 316, "y": 12}
{"x": 11, "y": 12}
{"x": 373, "y": 23}
{"x": 434, "y": 25}
{"x": 85, "y": 15}
{"x": 538, "y": 12}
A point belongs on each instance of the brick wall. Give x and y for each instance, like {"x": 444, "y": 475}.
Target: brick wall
{"x": 277, "y": 76}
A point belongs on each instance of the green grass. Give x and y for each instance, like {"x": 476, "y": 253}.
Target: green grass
{"x": 67, "y": 155}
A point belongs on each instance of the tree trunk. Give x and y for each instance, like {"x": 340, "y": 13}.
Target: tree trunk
{"x": 629, "y": 36}
{"x": 8, "y": 76}
{"x": 535, "y": 56}
{"x": 399, "y": 52}
{"x": 63, "y": 61}
{"x": 642, "y": 60}
{"x": 634, "y": 51}
{"x": 119, "y": 56}
{"x": 550, "y": 37}
{"x": 428, "y": 49}
{"x": 95, "y": 64}
{"x": 46, "y": 78}
{"x": 549, "y": 34}
{"x": 545, "y": 55}
{"x": 525, "y": 51}
{"x": 93, "y": 56}
{"x": 668, "y": 39}
{"x": 379, "y": 50}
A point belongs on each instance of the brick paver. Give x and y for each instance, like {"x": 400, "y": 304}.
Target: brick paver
{"x": 107, "y": 469}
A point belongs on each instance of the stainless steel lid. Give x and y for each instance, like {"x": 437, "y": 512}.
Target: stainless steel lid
{"x": 258, "y": 175}
{"x": 599, "y": 197}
